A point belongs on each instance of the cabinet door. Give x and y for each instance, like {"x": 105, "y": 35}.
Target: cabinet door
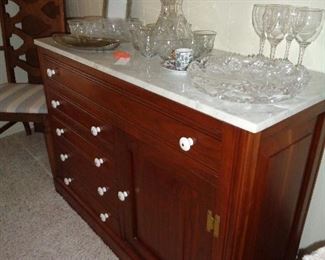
{"x": 168, "y": 208}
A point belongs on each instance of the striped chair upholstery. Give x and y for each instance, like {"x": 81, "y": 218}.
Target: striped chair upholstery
{"x": 22, "y": 98}
{"x": 30, "y": 20}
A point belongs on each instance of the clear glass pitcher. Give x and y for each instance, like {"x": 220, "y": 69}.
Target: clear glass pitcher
{"x": 171, "y": 23}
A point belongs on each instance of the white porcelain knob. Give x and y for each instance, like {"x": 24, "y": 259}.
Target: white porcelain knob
{"x": 98, "y": 162}
{"x": 63, "y": 157}
{"x": 95, "y": 130}
{"x": 55, "y": 103}
{"x": 50, "y": 72}
{"x": 186, "y": 143}
{"x": 67, "y": 181}
{"x": 59, "y": 131}
{"x": 101, "y": 190}
{"x": 122, "y": 195}
{"x": 104, "y": 217}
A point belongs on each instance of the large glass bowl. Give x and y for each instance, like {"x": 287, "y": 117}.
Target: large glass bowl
{"x": 87, "y": 27}
{"x": 255, "y": 80}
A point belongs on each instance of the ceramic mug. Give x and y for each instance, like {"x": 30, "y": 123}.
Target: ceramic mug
{"x": 183, "y": 58}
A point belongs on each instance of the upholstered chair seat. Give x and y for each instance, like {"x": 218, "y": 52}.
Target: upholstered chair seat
{"x": 22, "y": 98}
{"x": 21, "y": 23}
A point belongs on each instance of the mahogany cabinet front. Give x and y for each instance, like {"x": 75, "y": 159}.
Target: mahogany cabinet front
{"x": 157, "y": 180}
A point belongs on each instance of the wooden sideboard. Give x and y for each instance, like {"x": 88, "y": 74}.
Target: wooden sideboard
{"x": 158, "y": 180}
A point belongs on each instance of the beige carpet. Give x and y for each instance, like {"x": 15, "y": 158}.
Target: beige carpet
{"x": 35, "y": 222}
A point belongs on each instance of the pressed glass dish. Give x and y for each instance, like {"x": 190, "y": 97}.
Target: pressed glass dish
{"x": 85, "y": 43}
{"x": 253, "y": 79}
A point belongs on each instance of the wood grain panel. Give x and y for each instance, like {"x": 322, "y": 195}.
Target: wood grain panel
{"x": 284, "y": 174}
{"x": 82, "y": 120}
{"x": 259, "y": 184}
{"x": 207, "y": 148}
{"x": 271, "y": 187}
{"x": 84, "y": 175}
{"x": 89, "y": 150}
{"x": 163, "y": 196}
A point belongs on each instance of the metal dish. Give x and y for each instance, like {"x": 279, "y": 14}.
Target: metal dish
{"x": 86, "y": 43}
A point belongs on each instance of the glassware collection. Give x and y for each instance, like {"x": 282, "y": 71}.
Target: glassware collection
{"x": 236, "y": 78}
{"x": 170, "y": 33}
{"x": 163, "y": 38}
{"x": 257, "y": 79}
{"x": 276, "y": 22}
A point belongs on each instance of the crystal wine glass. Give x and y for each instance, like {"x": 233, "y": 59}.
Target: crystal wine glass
{"x": 307, "y": 27}
{"x": 290, "y": 35}
{"x": 258, "y": 24}
{"x": 276, "y": 25}
{"x": 147, "y": 42}
{"x": 135, "y": 24}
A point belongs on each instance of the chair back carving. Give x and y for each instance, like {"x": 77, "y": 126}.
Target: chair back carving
{"x": 34, "y": 19}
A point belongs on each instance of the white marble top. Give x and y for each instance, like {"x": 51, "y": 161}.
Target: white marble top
{"x": 148, "y": 74}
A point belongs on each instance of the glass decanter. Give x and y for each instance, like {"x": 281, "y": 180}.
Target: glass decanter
{"x": 171, "y": 23}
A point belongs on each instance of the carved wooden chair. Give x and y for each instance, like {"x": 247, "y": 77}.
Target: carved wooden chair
{"x": 33, "y": 19}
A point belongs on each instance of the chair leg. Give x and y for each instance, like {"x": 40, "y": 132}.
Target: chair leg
{"x": 27, "y": 128}
{"x": 6, "y": 126}
{"x": 39, "y": 128}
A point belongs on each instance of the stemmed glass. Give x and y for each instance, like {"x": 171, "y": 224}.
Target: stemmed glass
{"x": 276, "y": 25}
{"x": 290, "y": 35}
{"x": 147, "y": 42}
{"x": 135, "y": 24}
{"x": 258, "y": 24}
{"x": 307, "y": 27}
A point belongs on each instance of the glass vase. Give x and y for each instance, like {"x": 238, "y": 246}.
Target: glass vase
{"x": 171, "y": 23}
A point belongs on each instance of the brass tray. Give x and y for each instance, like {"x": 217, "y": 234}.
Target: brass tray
{"x": 86, "y": 43}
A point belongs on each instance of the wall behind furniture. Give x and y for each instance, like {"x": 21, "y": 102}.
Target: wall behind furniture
{"x": 79, "y": 8}
{"x": 232, "y": 21}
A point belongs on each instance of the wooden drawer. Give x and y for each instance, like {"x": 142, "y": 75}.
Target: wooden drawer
{"x": 92, "y": 205}
{"x": 84, "y": 123}
{"x": 207, "y": 146}
{"x": 78, "y": 169}
{"x": 91, "y": 152}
